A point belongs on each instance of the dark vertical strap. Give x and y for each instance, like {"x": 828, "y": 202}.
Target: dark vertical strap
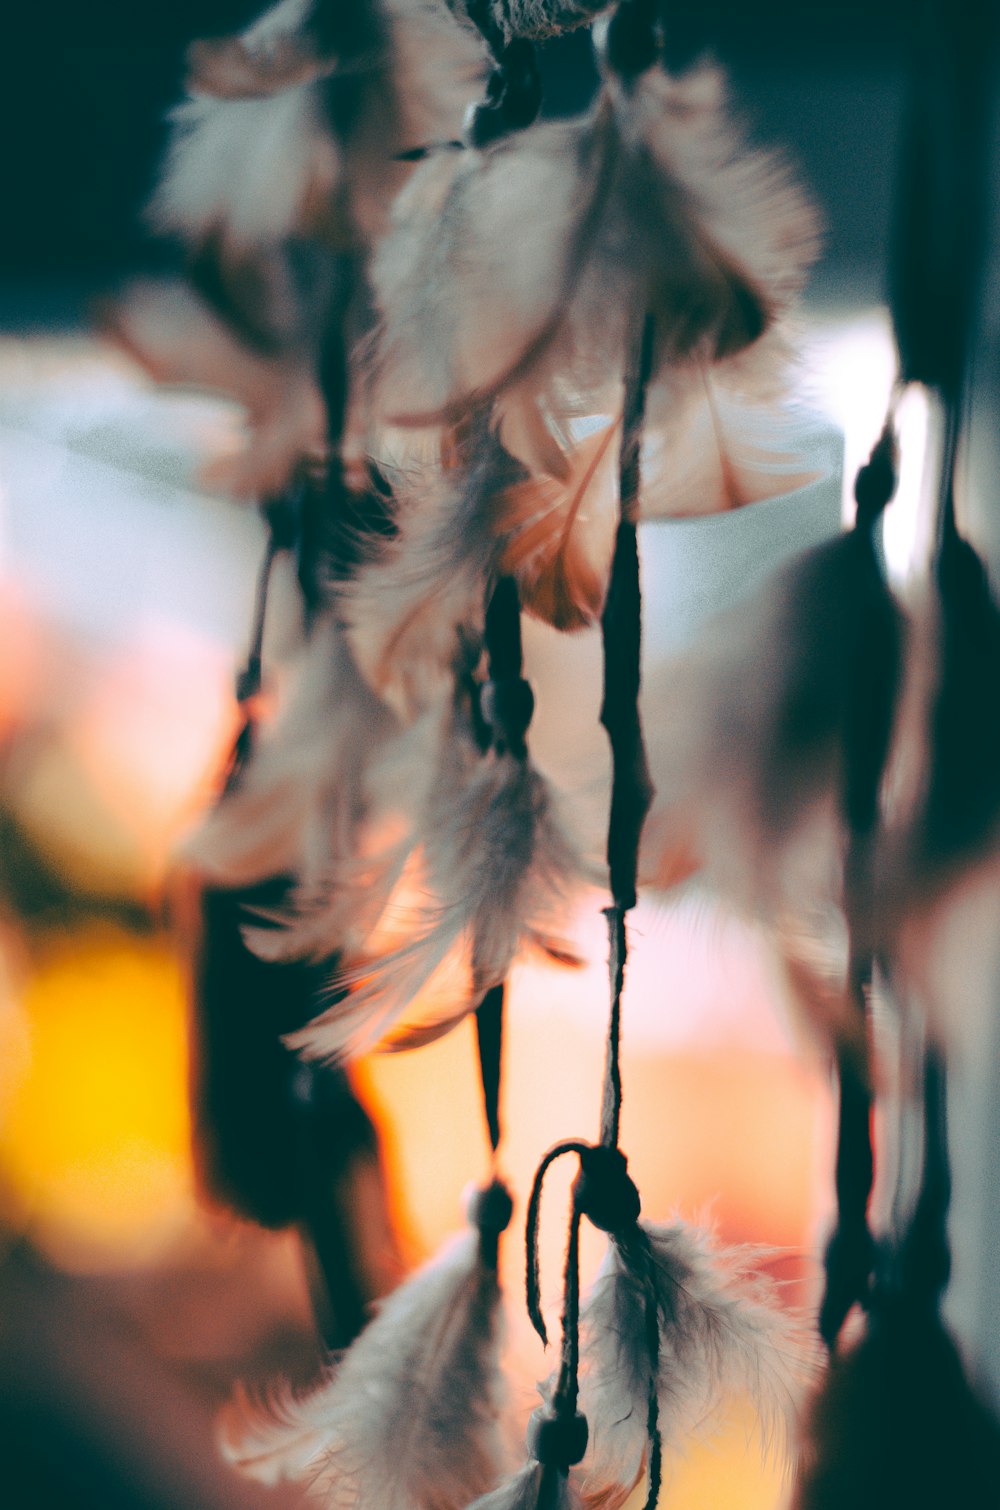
{"x": 621, "y": 628}
{"x": 631, "y": 786}
{"x": 489, "y": 1040}
{"x": 567, "y": 1390}
{"x": 925, "y": 1258}
{"x": 611, "y": 1108}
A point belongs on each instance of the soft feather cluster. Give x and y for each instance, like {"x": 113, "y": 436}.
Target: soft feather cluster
{"x": 410, "y": 1419}
{"x": 722, "y": 1332}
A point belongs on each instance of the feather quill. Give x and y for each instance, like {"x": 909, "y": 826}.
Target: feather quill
{"x": 721, "y": 1331}
{"x": 535, "y": 255}
{"x": 410, "y": 1418}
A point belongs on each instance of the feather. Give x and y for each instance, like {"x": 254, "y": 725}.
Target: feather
{"x": 721, "y": 1331}
{"x": 177, "y": 338}
{"x": 410, "y": 611}
{"x": 559, "y": 534}
{"x": 519, "y": 271}
{"x": 297, "y": 125}
{"x": 495, "y": 865}
{"x": 756, "y": 736}
{"x": 532, "y": 1488}
{"x": 896, "y": 1422}
{"x": 712, "y": 448}
{"x": 410, "y": 1418}
{"x": 709, "y": 451}
{"x": 258, "y": 169}
{"x": 296, "y": 807}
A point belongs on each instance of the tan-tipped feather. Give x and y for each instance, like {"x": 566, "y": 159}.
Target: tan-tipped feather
{"x": 560, "y": 533}
{"x": 722, "y": 1332}
{"x": 518, "y": 272}
{"x": 495, "y": 866}
{"x": 411, "y": 1416}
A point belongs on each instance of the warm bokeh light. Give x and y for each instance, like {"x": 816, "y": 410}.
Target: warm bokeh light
{"x": 95, "y": 1128}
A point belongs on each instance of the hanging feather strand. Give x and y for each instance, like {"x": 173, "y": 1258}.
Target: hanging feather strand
{"x": 721, "y": 1332}
{"x": 410, "y": 1419}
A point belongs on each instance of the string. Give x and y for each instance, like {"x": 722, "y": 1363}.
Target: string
{"x": 631, "y": 787}
{"x": 489, "y": 1044}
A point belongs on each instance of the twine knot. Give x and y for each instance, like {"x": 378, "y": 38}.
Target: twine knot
{"x": 557, "y": 1439}
{"x": 605, "y": 1192}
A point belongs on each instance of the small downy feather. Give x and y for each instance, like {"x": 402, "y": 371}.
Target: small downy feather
{"x": 296, "y": 126}
{"x": 495, "y": 867}
{"x": 530, "y": 1489}
{"x": 410, "y": 1418}
{"x": 722, "y": 1332}
{"x": 649, "y": 204}
{"x": 297, "y": 804}
{"x": 178, "y": 340}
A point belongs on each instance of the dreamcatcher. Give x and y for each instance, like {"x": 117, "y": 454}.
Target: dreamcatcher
{"x": 472, "y": 347}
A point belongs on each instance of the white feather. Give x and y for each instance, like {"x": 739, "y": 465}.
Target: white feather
{"x": 410, "y": 610}
{"x": 520, "y": 271}
{"x": 495, "y": 868}
{"x": 722, "y": 1332}
{"x": 248, "y": 167}
{"x": 527, "y": 1491}
{"x": 410, "y": 1418}
{"x": 298, "y": 802}
{"x": 253, "y": 154}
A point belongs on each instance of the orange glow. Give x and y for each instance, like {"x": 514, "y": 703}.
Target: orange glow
{"x": 94, "y": 1143}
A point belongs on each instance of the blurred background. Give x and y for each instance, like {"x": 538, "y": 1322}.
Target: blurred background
{"x": 128, "y": 1304}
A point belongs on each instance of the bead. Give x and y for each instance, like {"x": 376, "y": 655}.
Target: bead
{"x": 604, "y": 1191}
{"x": 507, "y": 705}
{"x": 491, "y": 1209}
{"x": 557, "y": 1441}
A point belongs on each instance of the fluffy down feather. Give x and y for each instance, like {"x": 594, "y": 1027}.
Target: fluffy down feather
{"x": 177, "y": 339}
{"x": 532, "y": 1489}
{"x": 519, "y": 271}
{"x": 296, "y": 126}
{"x": 721, "y": 1332}
{"x": 709, "y": 452}
{"x": 297, "y": 805}
{"x": 410, "y": 1417}
{"x": 495, "y": 866}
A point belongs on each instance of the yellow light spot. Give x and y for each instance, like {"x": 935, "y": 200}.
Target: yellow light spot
{"x": 95, "y": 1134}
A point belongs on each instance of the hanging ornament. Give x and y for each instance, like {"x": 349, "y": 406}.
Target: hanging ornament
{"x": 650, "y": 204}
{"x": 411, "y": 1416}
